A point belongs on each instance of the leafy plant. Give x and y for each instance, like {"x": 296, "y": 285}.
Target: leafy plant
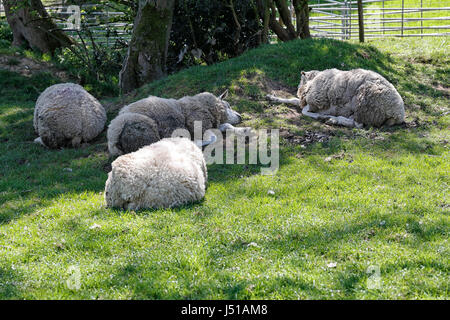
{"x": 5, "y": 31}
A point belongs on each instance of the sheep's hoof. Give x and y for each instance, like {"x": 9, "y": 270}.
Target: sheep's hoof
{"x": 331, "y": 122}
{"x": 38, "y": 140}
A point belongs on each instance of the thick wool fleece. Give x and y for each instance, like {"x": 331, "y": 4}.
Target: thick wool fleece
{"x": 168, "y": 115}
{"x": 362, "y": 95}
{"x": 130, "y": 131}
{"x": 66, "y": 115}
{"x": 169, "y": 173}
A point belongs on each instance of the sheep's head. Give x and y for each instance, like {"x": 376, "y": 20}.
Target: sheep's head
{"x": 306, "y": 77}
{"x": 231, "y": 116}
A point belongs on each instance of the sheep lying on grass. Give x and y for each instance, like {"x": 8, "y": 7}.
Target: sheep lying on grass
{"x": 66, "y": 115}
{"x": 351, "y": 98}
{"x": 168, "y": 173}
{"x": 152, "y": 119}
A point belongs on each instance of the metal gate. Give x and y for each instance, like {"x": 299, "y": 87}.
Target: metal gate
{"x": 382, "y": 18}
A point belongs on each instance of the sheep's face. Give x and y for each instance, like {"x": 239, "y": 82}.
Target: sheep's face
{"x": 303, "y": 85}
{"x": 232, "y": 117}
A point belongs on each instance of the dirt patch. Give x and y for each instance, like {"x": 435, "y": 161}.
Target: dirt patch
{"x": 277, "y": 89}
{"x": 28, "y": 67}
{"x": 306, "y": 138}
{"x": 292, "y": 115}
{"x": 445, "y": 90}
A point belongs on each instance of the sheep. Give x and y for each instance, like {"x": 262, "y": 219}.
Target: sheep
{"x": 351, "y": 98}
{"x": 66, "y": 115}
{"x": 159, "y": 118}
{"x": 169, "y": 173}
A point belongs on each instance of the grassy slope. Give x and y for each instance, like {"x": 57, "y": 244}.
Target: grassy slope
{"x": 383, "y": 200}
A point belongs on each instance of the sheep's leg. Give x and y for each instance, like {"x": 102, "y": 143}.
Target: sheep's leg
{"x": 223, "y": 128}
{"x": 211, "y": 139}
{"x": 76, "y": 142}
{"x": 237, "y": 130}
{"x": 341, "y": 121}
{"x": 291, "y": 101}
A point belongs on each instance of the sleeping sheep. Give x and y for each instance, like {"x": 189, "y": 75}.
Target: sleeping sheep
{"x": 165, "y": 174}
{"x": 152, "y": 119}
{"x": 352, "y": 98}
{"x": 66, "y": 115}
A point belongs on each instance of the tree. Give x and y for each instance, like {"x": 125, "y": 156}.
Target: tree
{"x": 283, "y": 27}
{"x": 32, "y": 26}
{"x": 147, "y": 52}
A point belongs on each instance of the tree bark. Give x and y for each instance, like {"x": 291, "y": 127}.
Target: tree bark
{"x": 267, "y": 12}
{"x": 264, "y": 14}
{"x": 276, "y": 27}
{"x": 302, "y": 13}
{"x": 286, "y": 18}
{"x": 147, "y": 53}
{"x": 31, "y": 25}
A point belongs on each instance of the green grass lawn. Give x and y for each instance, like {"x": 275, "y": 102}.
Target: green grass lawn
{"x": 358, "y": 198}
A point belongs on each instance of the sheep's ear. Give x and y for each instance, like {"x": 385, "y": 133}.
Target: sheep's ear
{"x": 303, "y": 73}
{"x": 224, "y": 95}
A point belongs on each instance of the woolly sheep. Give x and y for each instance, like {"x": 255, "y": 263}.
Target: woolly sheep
{"x": 165, "y": 174}
{"x": 360, "y": 95}
{"x": 159, "y": 117}
{"x": 66, "y": 115}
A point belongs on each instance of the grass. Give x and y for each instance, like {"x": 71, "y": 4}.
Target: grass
{"x": 361, "y": 198}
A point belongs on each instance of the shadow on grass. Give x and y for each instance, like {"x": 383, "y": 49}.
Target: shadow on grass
{"x": 9, "y": 282}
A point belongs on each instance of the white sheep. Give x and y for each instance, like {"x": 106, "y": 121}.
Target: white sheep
{"x": 153, "y": 118}
{"x": 165, "y": 174}
{"x": 351, "y": 98}
{"x": 66, "y": 115}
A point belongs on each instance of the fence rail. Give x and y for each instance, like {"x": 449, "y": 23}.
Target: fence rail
{"x": 382, "y": 18}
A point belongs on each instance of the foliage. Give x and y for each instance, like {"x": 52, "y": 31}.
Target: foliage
{"x": 95, "y": 62}
{"x": 381, "y": 199}
{"x": 205, "y": 32}
{"x": 97, "y": 69}
{"x": 5, "y": 31}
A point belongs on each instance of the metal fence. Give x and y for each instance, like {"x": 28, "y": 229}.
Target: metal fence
{"x": 382, "y": 18}
{"x": 102, "y": 20}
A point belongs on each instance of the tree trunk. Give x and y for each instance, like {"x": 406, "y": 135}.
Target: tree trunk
{"x": 276, "y": 27}
{"x": 263, "y": 9}
{"x": 286, "y": 18}
{"x": 237, "y": 29}
{"x": 32, "y": 26}
{"x": 147, "y": 53}
{"x": 268, "y": 14}
{"x": 302, "y": 13}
